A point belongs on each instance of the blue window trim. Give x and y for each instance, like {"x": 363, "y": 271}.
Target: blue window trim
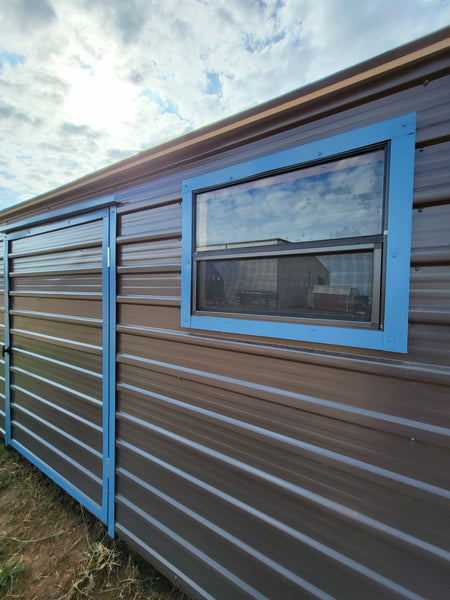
{"x": 400, "y": 133}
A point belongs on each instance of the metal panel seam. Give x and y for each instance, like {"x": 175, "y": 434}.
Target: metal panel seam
{"x": 252, "y": 388}
{"x": 333, "y": 360}
{"x": 300, "y": 491}
{"x": 270, "y": 563}
{"x": 54, "y": 384}
{"x": 314, "y": 449}
{"x": 61, "y": 363}
{"x": 60, "y": 431}
{"x": 206, "y": 559}
{"x": 165, "y": 564}
{"x": 330, "y": 504}
{"x": 57, "y": 478}
{"x": 59, "y": 408}
{"x": 88, "y": 348}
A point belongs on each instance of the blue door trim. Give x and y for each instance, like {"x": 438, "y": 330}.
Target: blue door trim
{"x": 65, "y": 221}
{"x": 109, "y": 366}
{"x": 6, "y": 342}
{"x": 110, "y": 425}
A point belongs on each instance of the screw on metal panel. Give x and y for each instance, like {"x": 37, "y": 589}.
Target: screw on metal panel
{"x": 426, "y": 82}
{"x": 420, "y": 210}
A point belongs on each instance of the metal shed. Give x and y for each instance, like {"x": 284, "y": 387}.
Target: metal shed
{"x": 253, "y": 440}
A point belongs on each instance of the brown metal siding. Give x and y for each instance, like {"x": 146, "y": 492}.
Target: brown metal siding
{"x": 249, "y": 470}
{"x": 56, "y": 362}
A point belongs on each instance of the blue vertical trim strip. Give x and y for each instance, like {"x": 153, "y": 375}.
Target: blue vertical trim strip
{"x": 112, "y": 368}
{"x": 7, "y": 342}
{"x": 105, "y": 364}
{"x": 398, "y": 246}
{"x": 186, "y": 254}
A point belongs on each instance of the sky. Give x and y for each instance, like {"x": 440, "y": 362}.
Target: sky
{"x": 85, "y": 83}
{"x": 284, "y": 206}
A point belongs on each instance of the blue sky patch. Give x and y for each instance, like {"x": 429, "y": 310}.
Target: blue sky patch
{"x": 214, "y": 85}
{"x": 7, "y": 197}
{"x": 167, "y": 106}
{"x": 254, "y": 44}
{"x": 10, "y": 57}
{"x": 6, "y": 175}
{"x": 26, "y": 159}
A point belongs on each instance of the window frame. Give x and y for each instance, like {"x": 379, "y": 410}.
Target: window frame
{"x": 399, "y": 135}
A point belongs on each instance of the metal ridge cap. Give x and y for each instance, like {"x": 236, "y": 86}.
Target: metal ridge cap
{"x": 373, "y": 68}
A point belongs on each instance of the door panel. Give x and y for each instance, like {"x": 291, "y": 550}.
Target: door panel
{"x": 59, "y": 326}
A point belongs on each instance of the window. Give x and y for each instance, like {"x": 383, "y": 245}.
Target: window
{"x": 311, "y": 244}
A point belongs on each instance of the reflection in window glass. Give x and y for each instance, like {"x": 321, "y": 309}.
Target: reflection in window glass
{"x": 331, "y": 286}
{"x": 338, "y": 199}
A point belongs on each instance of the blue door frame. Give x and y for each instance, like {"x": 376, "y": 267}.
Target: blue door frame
{"x": 104, "y": 209}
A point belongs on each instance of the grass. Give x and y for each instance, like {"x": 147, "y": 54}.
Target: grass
{"x": 51, "y": 548}
{"x": 10, "y": 567}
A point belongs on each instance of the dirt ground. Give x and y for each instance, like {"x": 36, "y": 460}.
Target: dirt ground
{"x": 53, "y": 549}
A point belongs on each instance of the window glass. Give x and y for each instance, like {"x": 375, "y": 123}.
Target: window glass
{"x": 319, "y": 286}
{"x": 338, "y": 199}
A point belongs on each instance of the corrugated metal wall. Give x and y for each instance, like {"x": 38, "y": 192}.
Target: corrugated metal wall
{"x": 252, "y": 470}
{"x": 56, "y": 327}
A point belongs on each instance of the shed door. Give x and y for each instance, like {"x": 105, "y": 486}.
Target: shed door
{"x": 59, "y": 342}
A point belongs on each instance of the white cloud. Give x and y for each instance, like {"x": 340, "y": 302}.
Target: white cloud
{"x": 84, "y": 83}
